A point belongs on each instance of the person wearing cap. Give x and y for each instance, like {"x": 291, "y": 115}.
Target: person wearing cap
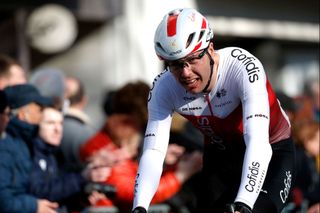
{"x": 47, "y": 179}
{"x": 248, "y": 161}
{"x": 26, "y": 105}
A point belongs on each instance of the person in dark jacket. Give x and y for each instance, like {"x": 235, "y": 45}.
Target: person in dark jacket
{"x": 4, "y": 111}
{"x": 15, "y": 153}
{"x": 47, "y": 181}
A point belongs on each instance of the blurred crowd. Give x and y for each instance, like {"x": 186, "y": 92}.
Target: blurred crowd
{"x": 52, "y": 159}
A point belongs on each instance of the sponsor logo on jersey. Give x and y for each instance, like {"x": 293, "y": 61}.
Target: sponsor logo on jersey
{"x": 257, "y": 116}
{"x": 221, "y": 93}
{"x": 149, "y": 135}
{"x": 223, "y": 104}
{"x": 175, "y": 52}
{"x": 154, "y": 82}
{"x": 206, "y": 129}
{"x": 249, "y": 63}
{"x": 254, "y": 184}
{"x": 190, "y": 108}
{"x": 287, "y": 184}
{"x": 136, "y": 184}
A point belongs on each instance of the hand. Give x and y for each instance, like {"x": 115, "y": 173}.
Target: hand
{"x": 45, "y": 206}
{"x": 174, "y": 152}
{"x": 314, "y": 208}
{"x": 139, "y": 209}
{"x": 237, "y": 207}
{"x": 188, "y": 165}
{"x": 95, "y": 196}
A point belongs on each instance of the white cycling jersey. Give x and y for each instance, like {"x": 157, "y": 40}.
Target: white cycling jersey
{"x": 242, "y": 105}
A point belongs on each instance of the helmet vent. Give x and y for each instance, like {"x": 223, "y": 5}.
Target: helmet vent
{"x": 201, "y": 35}
{"x": 159, "y": 45}
{"x": 190, "y": 38}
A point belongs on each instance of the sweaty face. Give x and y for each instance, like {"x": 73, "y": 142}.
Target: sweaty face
{"x": 51, "y": 126}
{"x": 192, "y": 72}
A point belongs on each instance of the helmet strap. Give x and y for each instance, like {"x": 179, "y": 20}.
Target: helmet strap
{"x": 211, "y": 72}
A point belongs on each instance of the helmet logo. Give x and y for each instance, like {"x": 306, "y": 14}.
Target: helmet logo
{"x": 174, "y": 43}
{"x": 192, "y": 17}
{"x": 175, "y": 52}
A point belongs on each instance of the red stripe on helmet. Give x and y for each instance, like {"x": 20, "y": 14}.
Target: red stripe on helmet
{"x": 196, "y": 47}
{"x": 172, "y": 25}
{"x": 204, "y": 24}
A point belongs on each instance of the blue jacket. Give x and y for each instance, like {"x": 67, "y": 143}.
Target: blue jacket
{"x": 47, "y": 181}
{"x": 15, "y": 168}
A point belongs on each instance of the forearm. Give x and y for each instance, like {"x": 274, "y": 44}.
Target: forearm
{"x": 148, "y": 177}
{"x": 255, "y": 166}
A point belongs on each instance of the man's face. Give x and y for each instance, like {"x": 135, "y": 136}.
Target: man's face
{"x": 51, "y": 126}
{"x": 192, "y": 72}
{"x": 31, "y": 113}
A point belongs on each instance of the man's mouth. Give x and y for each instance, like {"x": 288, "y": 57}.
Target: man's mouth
{"x": 190, "y": 83}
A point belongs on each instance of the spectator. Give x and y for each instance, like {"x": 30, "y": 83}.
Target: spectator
{"x": 50, "y": 83}
{"x": 122, "y": 132}
{"x": 306, "y": 187}
{"x": 127, "y": 110}
{"x": 15, "y": 153}
{"x": 11, "y": 73}
{"x": 47, "y": 181}
{"x": 77, "y": 127}
{"x": 313, "y": 92}
{"x": 4, "y": 114}
{"x": 136, "y": 107}
{"x": 309, "y": 103}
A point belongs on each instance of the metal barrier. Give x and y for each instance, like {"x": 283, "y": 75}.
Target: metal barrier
{"x": 159, "y": 208}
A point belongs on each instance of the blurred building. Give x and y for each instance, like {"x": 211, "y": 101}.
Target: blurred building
{"x": 107, "y": 43}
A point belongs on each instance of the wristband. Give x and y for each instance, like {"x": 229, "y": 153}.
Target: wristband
{"x": 139, "y": 209}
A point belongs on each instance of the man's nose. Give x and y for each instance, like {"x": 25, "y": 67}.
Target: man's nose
{"x": 186, "y": 69}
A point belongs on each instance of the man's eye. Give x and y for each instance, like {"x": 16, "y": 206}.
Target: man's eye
{"x": 192, "y": 60}
{"x": 177, "y": 65}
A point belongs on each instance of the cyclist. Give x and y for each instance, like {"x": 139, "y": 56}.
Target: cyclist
{"x": 248, "y": 152}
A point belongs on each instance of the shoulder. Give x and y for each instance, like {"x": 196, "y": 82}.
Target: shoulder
{"x": 162, "y": 85}
{"x": 238, "y": 60}
{"x": 163, "y": 79}
{"x": 8, "y": 143}
{"x": 233, "y": 51}
{"x": 237, "y": 53}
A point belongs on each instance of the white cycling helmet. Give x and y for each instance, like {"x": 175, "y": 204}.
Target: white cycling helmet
{"x": 181, "y": 32}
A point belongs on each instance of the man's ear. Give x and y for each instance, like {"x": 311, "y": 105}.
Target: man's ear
{"x": 21, "y": 114}
{"x": 84, "y": 101}
{"x": 211, "y": 48}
